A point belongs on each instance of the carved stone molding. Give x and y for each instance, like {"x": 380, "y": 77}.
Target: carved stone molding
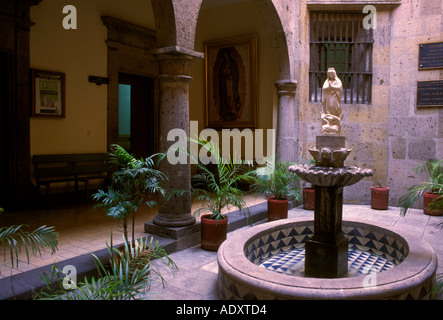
{"x": 130, "y": 50}
{"x": 286, "y": 87}
{"x": 123, "y": 33}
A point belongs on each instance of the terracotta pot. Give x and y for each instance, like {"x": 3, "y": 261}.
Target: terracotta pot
{"x": 213, "y": 232}
{"x": 379, "y": 198}
{"x": 308, "y": 198}
{"x": 427, "y": 198}
{"x": 277, "y": 209}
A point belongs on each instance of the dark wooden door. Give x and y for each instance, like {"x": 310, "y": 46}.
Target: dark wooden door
{"x": 143, "y": 120}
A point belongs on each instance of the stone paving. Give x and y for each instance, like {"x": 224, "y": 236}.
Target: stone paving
{"x": 197, "y": 275}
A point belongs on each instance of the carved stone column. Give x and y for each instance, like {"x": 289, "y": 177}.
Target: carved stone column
{"x": 174, "y": 114}
{"x": 286, "y": 146}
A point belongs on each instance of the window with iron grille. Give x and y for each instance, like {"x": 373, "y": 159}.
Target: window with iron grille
{"x": 338, "y": 40}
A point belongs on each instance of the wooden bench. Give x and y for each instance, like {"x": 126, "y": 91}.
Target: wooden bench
{"x": 82, "y": 167}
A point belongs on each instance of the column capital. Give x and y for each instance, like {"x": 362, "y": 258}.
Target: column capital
{"x": 175, "y": 60}
{"x": 177, "y": 51}
{"x": 286, "y": 87}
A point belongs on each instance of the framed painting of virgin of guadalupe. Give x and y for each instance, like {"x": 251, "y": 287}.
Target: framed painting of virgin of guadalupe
{"x": 231, "y": 82}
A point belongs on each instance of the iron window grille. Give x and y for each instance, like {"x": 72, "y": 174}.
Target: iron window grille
{"x": 339, "y": 40}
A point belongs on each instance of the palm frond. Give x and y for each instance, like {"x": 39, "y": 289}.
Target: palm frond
{"x": 434, "y": 170}
{"x": 15, "y": 238}
{"x": 216, "y": 186}
{"x": 434, "y": 183}
{"x": 437, "y": 290}
{"x": 135, "y": 181}
{"x": 275, "y": 178}
{"x": 127, "y": 277}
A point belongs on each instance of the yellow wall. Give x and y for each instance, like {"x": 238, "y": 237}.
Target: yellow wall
{"x": 231, "y": 21}
{"x": 83, "y": 52}
{"x": 78, "y": 53}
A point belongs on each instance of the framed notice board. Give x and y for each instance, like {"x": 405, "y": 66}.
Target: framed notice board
{"x": 430, "y": 56}
{"x": 430, "y": 93}
{"x": 48, "y": 94}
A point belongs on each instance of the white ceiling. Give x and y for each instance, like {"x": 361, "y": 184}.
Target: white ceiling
{"x": 219, "y": 3}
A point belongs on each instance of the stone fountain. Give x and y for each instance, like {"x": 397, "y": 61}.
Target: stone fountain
{"x": 327, "y": 249}
{"x": 250, "y": 262}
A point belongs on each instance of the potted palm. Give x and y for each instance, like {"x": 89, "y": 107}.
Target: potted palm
{"x": 136, "y": 181}
{"x": 218, "y": 191}
{"x": 431, "y": 190}
{"x": 276, "y": 179}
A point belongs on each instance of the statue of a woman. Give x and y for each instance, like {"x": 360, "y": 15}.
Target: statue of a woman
{"x": 332, "y": 111}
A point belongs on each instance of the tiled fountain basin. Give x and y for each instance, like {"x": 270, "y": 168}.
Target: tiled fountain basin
{"x": 408, "y": 273}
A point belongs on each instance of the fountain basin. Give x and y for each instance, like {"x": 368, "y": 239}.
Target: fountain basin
{"x": 329, "y": 176}
{"x": 242, "y": 277}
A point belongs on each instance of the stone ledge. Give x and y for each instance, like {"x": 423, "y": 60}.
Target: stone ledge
{"x": 350, "y": 5}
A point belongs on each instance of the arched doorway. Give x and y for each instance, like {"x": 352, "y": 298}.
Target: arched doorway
{"x": 176, "y": 23}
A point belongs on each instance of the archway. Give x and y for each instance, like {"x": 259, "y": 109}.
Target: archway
{"x": 176, "y": 22}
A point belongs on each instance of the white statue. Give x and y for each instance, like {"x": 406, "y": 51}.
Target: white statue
{"x": 332, "y": 113}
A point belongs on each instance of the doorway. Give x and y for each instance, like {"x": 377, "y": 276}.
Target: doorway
{"x": 137, "y": 115}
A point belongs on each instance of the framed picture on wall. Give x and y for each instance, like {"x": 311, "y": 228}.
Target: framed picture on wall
{"x": 231, "y": 82}
{"x": 48, "y": 94}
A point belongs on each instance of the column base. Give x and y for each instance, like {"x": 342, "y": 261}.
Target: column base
{"x": 170, "y": 232}
{"x": 174, "y": 220}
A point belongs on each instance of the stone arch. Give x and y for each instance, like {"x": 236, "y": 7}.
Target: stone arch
{"x": 277, "y": 17}
{"x": 176, "y": 23}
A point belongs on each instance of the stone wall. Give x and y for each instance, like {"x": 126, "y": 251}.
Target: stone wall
{"x": 415, "y": 134}
{"x": 364, "y": 126}
{"x": 390, "y": 135}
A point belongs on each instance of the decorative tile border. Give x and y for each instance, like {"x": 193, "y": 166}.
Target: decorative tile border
{"x": 409, "y": 264}
{"x": 292, "y": 262}
{"x": 264, "y": 246}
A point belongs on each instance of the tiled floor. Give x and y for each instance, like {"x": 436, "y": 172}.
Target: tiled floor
{"x": 81, "y": 230}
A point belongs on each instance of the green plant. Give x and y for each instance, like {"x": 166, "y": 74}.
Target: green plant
{"x": 135, "y": 182}
{"x": 219, "y": 191}
{"x": 15, "y": 238}
{"x": 127, "y": 277}
{"x": 434, "y": 184}
{"x": 437, "y": 290}
{"x": 276, "y": 178}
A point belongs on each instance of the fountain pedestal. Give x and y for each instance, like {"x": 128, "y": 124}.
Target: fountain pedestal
{"x": 327, "y": 250}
